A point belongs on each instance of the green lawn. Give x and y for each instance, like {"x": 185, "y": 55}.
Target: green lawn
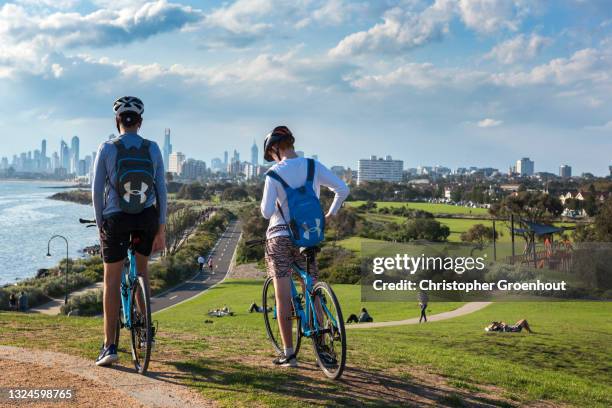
{"x": 432, "y": 208}
{"x": 566, "y": 361}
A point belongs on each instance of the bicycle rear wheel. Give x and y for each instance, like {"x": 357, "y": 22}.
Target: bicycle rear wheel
{"x": 330, "y": 345}
{"x": 270, "y": 319}
{"x": 140, "y": 314}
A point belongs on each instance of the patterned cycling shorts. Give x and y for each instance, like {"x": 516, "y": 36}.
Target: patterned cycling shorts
{"x": 281, "y": 253}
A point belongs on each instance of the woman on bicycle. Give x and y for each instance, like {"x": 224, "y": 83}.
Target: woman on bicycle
{"x": 280, "y": 251}
{"x": 134, "y": 208}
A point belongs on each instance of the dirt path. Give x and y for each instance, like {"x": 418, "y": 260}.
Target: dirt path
{"x": 93, "y": 386}
{"x": 53, "y": 307}
{"x": 468, "y": 308}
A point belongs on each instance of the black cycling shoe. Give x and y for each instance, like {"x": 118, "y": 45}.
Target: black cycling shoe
{"x": 283, "y": 361}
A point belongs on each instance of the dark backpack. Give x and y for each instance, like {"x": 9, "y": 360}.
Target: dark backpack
{"x": 135, "y": 176}
{"x": 307, "y": 221}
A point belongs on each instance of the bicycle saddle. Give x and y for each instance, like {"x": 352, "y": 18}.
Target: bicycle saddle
{"x": 309, "y": 251}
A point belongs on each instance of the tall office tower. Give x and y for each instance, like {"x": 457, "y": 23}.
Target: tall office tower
{"x": 175, "y": 162}
{"x": 225, "y": 157}
{"x": 43, "y": 148}
{"x": 254, "y": 154}
{"x": 64, "y": 155}
{"x": 236, "y": 157}
{"x": 55, "y": 161}
{"x": 167, "y": 148}
{"x": 565, "y": 171}
{"x": 74, "y": 154}
{"x": 525, "y": 167}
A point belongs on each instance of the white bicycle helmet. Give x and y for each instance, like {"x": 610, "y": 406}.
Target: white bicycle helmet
{"x": 128, "y": 104}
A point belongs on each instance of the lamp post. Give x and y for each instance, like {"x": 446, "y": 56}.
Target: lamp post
{"x": 67, "y": 264}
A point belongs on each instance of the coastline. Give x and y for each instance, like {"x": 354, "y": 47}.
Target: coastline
{"x": 78, "y": 196}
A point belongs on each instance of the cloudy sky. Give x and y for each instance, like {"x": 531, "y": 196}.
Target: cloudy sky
{"x": 451, "y": 82}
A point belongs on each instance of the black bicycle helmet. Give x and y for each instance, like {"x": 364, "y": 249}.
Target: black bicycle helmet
{"x": 278, "y": 133}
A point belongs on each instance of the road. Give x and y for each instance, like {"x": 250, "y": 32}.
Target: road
{"x": 222, "y": 254}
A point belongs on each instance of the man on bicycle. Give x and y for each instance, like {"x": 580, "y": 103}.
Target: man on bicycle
{"x": 129, "y": 197}
{"x": 280, "y": 251}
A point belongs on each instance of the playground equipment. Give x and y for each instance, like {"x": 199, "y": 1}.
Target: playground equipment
{"x": 555, "y": 255}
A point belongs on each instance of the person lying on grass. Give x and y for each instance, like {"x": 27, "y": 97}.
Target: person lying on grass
{"x": 503, "y": 327}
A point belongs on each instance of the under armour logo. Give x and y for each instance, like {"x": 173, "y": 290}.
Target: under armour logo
{"x": 130, "y": 192}
{"x": 316, "y": 229}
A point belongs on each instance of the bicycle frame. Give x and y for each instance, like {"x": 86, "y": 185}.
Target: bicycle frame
{"x": 310, "y": 311}
{"x": 128, "y": 279}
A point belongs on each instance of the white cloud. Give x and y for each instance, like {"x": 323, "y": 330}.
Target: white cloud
{"x": 102, "y": 27}
{"x": 488, "y": 16}
{"x": 400, "y": 30}
{"x": 488, "y": 123}
{"x": 28, "y": 36}
{"x": 242, "y": 16}
{"x": 403, "y": 28}
{"x": 586, "y": 65}
{"x": 420, "y": 76}
{"x": 519, "y": 48}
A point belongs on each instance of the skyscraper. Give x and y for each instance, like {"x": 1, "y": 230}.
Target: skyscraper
{"x": 525, "y": 167}
{"x": 565, "y": 171}
{"x": 175, "y": 162}
{"x": 167, "y": 148}
{"x": 254, "y": 154}
{"x": 225, "y": 157}
{"x": 64, "y": 156}
{"x": 43, "y": 148}
{"x": 74, "y": 155}
{"x": 236, "y": 157}
{"x": 379, "y": 169}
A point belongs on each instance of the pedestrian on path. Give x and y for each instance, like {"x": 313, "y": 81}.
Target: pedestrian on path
{"x": 210, "y": 265}
{"x": 201, "y": 262}
{"x": 23, "y": 301}
{"x": 423, "y": 301}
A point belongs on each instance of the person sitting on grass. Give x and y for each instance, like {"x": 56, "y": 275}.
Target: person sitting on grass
{"x": 364, "y": 316}
{"x": 503, "y": 327}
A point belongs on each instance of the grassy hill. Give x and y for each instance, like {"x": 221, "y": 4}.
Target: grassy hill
{"x": 566, "y": 361}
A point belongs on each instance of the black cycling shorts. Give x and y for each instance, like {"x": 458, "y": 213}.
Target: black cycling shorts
{"x": 118, "y": 228}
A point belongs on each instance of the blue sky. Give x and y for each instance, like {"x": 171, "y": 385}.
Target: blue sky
{"x": 451, "y": 82}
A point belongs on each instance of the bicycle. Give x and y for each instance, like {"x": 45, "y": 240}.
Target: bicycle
{"x": 135, "y": 309}
{"x": 325, "y": 327}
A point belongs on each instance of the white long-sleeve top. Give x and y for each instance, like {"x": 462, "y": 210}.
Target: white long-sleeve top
{"x": 294, "y": 172}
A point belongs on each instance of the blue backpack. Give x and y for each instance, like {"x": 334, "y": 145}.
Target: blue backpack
{"x": 135, "y": 177}
{"x": 307, "y": 221}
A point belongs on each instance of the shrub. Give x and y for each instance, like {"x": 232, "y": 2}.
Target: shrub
{"x": 87, "y": 304}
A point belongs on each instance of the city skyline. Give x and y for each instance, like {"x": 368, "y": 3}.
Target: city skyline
{"x": 429, "y": 81}
{"x": 67, "y": 157}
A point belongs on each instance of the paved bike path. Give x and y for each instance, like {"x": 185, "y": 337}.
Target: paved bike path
{"x": 468, "y": 308}
{"x": 222, "y": 255}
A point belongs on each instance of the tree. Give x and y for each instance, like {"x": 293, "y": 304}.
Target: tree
{"x": 601, "y": 229}
{"x": 193, "y": 191}
{"x": 344, "y": 222}
{"x": 535, "y": 207}
{"x": 423, "y": 228}
{"x": 479, "y": 234}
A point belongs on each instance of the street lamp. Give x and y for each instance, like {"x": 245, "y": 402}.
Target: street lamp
{"x": 67, "y": 265}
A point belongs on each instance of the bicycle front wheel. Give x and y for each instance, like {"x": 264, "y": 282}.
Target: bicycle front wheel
{"x": 271, "y": 320}
{"x": 330, "y": 343}
{"x": 142, "y": 335}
